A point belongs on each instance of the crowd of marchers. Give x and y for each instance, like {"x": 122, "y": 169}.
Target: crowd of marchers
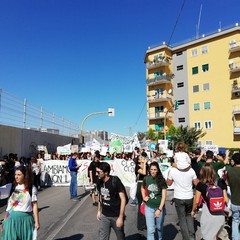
{"x": 194, "y": 175}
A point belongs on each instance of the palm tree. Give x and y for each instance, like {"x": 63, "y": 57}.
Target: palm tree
{"x": 186, "y": 134}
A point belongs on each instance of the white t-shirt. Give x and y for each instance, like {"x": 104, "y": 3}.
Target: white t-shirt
{"x": 25, "y": 202}
{"x": 182, "y": 183}
{"x": 182, "y": 160}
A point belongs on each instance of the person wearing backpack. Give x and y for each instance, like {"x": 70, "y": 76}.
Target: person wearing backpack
{"x": 112, "y": 200}
{"x": 214, "y": 194}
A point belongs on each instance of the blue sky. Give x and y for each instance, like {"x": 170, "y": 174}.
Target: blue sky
{"x": 75, "y": 57}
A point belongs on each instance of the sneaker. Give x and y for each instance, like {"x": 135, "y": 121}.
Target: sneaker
{"x": 75, "y": 199}
{"x": 95, "y": 204}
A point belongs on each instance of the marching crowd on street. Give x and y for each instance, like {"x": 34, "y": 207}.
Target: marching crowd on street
{"x": 198, "y": 187}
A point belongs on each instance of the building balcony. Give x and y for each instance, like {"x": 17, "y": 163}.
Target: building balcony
{"x": 159, "y": 62}
{"x": 234, "y": 46}
{"x": 159, "y": 98}
{"x": 234, "y": 67}
{"x": 236, "y": 109}
{"x": 159, "y": 80}
{"x": 160, "y": 115}
{"x": 236, "y": 130}
{"x": 236, "y": 88}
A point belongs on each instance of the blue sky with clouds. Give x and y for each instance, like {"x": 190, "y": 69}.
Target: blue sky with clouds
{"x": 75, "y": 57}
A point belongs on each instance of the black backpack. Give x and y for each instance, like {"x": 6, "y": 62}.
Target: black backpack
{"x": 114, "y": 184}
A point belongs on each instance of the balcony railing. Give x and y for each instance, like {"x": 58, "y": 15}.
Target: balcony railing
{"x": 160, "y": 61}
{"x": 236, "y": 109}
{"x": 236, "y": 130}
{"x": 234, "y": 46}
{"x": 159, "y": 98}
{"x": 234, "y": 67}
{"x": 159, "y": 115}
{"x": 159, "y": 79}
{"x": 236, "y": 87}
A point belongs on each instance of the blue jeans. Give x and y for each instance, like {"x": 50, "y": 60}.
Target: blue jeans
{"x": 73, "y": 185}
{"x": 184, "y": 208}
{"x": 235, "y": 221}
{"x": 150, "y": 220}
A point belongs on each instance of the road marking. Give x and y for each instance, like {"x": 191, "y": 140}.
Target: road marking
{"x": 66, "y": 219}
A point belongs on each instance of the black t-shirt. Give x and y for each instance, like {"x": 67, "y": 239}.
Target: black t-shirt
{"x": 92, "y": 167}
{"x": 138, "y": 175}
{"x": 110, "y": 197}
{"x": 203, "y": 188}
{"x": 195, "y": 166}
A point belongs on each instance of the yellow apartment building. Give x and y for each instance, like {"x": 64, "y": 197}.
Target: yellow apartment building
{"x": 203, "y": 76}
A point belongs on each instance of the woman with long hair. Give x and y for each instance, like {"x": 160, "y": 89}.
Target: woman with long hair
{"x": 22, "y": 209}
{"x": 154, "y": 193}
{"x": 211, "y": 223}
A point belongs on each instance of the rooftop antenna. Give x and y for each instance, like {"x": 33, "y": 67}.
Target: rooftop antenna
{"x": 220, "y": 25}
{"x": 199, "y": 19}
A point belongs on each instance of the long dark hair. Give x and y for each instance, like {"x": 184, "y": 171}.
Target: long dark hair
{"x": 207, "y": 174}
{"x": 159, "y": 178}
{"x": 27, "y": 172}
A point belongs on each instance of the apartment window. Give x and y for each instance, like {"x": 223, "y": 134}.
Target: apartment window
{"x": 159, "y": 127}
{"x": 197, "y": 125}
{"x": 204, "y": 49}
{"x": 180, "y": 120}
{"x": 208, "y": 124}
{"x": 195, "y": 70}
{"x": 199, "y": 144}
{"x": 181, "y": 84}
{"x": 207, "y": 105}
{"x": 158, "y": 56}
{"x": 194, "y": 52}
{"x": 206, "y": 87}
{"x": 179, "y": 53}
{"x": 159, "y": 109}
{"x": 209, "y": 142}
{"x": 196, "y": 106}
{"x": 196, "y": 88}
{"x": 180, "y": 102}
{"x": 205, "y": 68}
{"x": 156, "y": 74}
{"x": 180, "y": 67}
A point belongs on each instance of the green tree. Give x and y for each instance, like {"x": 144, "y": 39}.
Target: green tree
{"x": 152, "y": 135}
{"x": 186, "y": 134}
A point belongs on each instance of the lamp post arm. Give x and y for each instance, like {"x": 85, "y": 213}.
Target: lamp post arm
{"x": 89, "y": 115}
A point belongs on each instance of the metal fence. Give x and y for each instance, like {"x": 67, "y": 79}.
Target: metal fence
{"x": 22, "y": 114}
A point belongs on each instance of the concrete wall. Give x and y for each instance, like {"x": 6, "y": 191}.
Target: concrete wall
{"x": 24, "y": 142}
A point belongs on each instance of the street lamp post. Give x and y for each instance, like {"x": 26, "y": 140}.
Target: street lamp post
{"x": 175, "y": 106}
{"x": 110, "y": 112}
{"x": 165, "y": 122}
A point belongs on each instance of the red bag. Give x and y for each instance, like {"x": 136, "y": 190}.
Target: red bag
{"x": 215, "y": 198}
{"x": 142, "y": 208}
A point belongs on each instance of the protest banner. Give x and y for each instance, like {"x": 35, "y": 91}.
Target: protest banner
{"x": 56, "y": 172}
{"x": 64, "y": 150}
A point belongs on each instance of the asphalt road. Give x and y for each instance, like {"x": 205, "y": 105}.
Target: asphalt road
{"x": 62, "y": 218}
